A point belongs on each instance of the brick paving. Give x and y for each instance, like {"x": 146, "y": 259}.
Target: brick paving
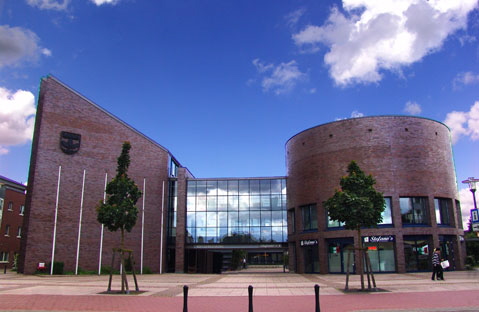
{"x": 273, "y": 291}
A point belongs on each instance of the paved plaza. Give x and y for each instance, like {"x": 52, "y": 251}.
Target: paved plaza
{"x": 272, "y": 291}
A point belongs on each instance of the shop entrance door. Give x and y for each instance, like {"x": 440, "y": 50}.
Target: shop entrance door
{"x": 338, "y": 250}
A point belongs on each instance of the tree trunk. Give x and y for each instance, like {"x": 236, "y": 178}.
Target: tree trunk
{"x": 122, "y": 242}
{"x": 361, "y": 256}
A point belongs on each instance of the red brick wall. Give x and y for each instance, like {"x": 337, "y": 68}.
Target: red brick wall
{"x": 14, "y": 220}
{"x": 408, "y": 156}
{"x": 102, "y": 135}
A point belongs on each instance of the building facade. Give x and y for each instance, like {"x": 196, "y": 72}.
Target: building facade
{"x": 411, "y": 160}
{"x": 187, "y": 224}
{"x": 12, "y": 208}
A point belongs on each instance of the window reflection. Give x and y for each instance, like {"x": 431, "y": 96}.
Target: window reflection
{"x": 236, "y": 211}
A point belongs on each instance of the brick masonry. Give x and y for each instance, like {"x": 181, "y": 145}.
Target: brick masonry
{"x": 102, "y": 135}
{"x": 408, "y": 156}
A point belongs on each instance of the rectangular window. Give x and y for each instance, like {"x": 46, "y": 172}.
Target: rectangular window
{"x": 386, "y": 214}
{"x": 458, "y": 213}
{"x": 19, "y": 232}
{"x": 22, "y": 209}
{"x": 414, "y": 210}
{"x": 334, "y": 223}
{"x": 10, "y": 206}
{"x": 310, "y": 218}
{"x": 7, "y": 230}
{"x": 4, "y": 256}
{"x": 443, "y": 210}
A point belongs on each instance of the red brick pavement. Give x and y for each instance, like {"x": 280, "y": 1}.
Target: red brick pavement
{"x": 463, "y": 300}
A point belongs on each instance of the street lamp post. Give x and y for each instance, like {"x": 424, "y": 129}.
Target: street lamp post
{"x": 472, "y": 187}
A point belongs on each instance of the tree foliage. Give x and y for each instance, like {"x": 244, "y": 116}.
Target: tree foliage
{"x": 357, "y": 204}
{"x": 119, "y": 210}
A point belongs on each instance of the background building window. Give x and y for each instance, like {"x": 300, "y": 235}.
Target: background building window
{"x": 19, "y": 232}
{"x": 414, "y": 210}
{"x": 310, "y": 218}
{"x": 22, "y": 209}
{"x": 4, "y": 256}
{"x": 7, "y": 230}
{"x": 10, "y": 206}
{"x": 443, "y": 210}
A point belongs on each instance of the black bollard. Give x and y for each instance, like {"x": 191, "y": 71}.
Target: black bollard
{"x": 185, "y": 298}
{"x": 250, "y": 295}
{"x": 316, "y": 292}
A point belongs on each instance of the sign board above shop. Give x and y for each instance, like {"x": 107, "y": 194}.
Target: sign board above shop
{"x": 309, "y": 242}
{"x": 379, "y": 239}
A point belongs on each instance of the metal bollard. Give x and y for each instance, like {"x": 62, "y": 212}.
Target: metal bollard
{"x": 316, "y": 292}
{"x": 185, "y": 298}
{"x": 250, "y": 295}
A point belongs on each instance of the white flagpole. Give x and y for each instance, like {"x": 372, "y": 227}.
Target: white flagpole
{"x": 102, "y": 226}
{"x": 143, "y": 225}
{"x": 55, "y": 222}
{"x": 161, "y": 228}
{"x": 79, "y": 222}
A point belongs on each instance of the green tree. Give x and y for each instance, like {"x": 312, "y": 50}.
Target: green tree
{"x": 119, "y": 210}
{"x": 357, "y": 204}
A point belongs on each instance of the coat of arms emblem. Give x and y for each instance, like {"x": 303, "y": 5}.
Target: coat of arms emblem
{"x": 70, "y": 142}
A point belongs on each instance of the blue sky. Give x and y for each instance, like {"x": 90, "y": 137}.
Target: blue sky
{"x": 224, "y": 84}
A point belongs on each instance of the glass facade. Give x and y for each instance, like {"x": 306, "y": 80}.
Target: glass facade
{"x": 236, "y": 211}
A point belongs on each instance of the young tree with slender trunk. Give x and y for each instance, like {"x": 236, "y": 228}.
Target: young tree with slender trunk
{"x": 119, "y": 210}
{"x": 357, "y": 204}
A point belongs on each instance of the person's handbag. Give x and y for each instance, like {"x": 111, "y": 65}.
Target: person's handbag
{"x": 445, "y": 264}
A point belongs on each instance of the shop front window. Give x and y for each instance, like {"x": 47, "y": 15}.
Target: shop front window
{"x": 381, "y": 252}
{"x": 417, "y": 251}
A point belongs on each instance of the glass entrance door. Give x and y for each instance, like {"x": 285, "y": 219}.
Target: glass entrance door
{"x": 338, "y": 252}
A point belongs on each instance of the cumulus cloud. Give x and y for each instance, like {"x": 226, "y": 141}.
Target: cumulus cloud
{"x": 465, "y": 196}
{"x": 371, "y": 36}
{"x": 464, "y": 123}
{"x": 465, "y": 78}
{"x": 17, "y": 112}
{"x": 19, "y": 44}
{"x": 49, "y": 4}
{"x": 279, "y": 78}
{"x": 412, "y": 108}
{"x": 101, "y": 2}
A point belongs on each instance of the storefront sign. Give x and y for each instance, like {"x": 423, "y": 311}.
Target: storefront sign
{"x": 379, "y": 239}
{"x": 309, "y": 242}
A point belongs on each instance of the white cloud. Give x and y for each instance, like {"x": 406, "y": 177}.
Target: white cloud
{"x": 467, "y": 203}
{"x": 465, "y": 78}
{"x": 293, "y": 17}
{"x": 18, "y": 44}
{"x": 49, "y": 4}
{"x": 372, "y": 36}
{"x": 354, "y": 114}
{"x": 464, "y": 123}
{"x": 17, "y": 112}
{"x": 101, "y": 2}
{"x": 279, "y": 78}
{"x": 412, "y": 108}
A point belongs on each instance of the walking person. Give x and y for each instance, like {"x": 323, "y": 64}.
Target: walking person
{"x": 436, "y": 265}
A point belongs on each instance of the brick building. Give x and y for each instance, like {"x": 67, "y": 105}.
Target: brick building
{"x": 187, "y": 224}
{"x": 12, "y": 207}
{"x": 412, "y": 162}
